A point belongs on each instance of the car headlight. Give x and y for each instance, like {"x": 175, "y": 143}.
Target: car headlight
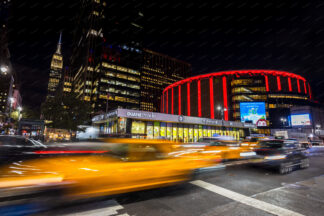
{"x": 42, "y": 180}
{"x": 247, "y": 154}
{"x": 275, "y": 157}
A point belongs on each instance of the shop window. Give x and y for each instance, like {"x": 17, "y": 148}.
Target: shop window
{"x": 191, "y": 134}
{"x": 150, "y": 130}
{"x": 162, "y": 129}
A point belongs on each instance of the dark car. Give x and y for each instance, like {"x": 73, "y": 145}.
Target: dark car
{"x": 16, "y": 148}
{"x": 284, "y": 155}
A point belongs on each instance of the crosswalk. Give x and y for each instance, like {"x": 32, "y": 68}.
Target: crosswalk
{"x": 287, "y": 200}
{"x": 105, "y": 208}
{"x": 264, "y": 206}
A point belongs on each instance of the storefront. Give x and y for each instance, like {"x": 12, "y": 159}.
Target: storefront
{"x": 31, "y": 128}
{"x": 57, "y": 135}
{"x": 151, "y": 125}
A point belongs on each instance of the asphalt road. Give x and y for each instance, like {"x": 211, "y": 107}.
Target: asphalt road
{"x": 234, "y": 190}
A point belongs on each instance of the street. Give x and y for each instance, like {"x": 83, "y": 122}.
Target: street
{"x": 234, "y": 190}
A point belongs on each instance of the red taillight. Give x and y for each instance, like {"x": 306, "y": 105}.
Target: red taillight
{"x": 69, "y": 152}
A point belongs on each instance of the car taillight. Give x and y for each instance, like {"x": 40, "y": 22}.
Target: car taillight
{"x": 69, "y": 152}
{"x": 262, "y": 149}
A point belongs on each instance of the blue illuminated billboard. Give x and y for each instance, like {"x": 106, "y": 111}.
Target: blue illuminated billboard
{"x": 254, "y": 112}
{"x": 300, "y": 119}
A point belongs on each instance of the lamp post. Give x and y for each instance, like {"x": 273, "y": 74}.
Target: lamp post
{"x": 318, "y": 129}
{"x": 221, "y": 110}
{"x": 11, "y": 100}
{"x": 283, "y": 120}
{"x": 19, "y": 110}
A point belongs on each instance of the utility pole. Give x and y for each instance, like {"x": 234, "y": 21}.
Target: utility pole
{"x": 107, "y": 102}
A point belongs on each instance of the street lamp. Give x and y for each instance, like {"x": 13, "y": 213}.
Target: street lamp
{"x": 4, "y": 69}
{"x": 19, "y": 110}
{"x": 11, "y": 100}
{"x": 283, "y": 120}
{"x": 221, "y": 110}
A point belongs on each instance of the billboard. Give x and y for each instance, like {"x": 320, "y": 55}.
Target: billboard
{"x": 300, "y": 119}
{"x": 254, "y": 112}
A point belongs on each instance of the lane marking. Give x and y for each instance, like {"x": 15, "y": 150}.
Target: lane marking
{"x": 264, "y": 206}
{"x": 110, "y": 208}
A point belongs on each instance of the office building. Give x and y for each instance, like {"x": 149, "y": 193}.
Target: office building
{"x": 158, "y": 72}
{"x": 7, "y": 73}
{"x": 107, "y": 55}
{"x": 67, "y": 81}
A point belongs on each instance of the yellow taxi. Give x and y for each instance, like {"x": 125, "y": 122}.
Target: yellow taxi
{"x": 129, "y": 165}
{"x": 252, "y": 142}
{"x": 223, "y": 147}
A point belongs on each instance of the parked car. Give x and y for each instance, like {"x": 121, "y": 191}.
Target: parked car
{"x": 284, "y": 155}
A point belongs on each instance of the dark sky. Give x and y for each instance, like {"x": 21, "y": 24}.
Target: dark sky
{"x": 212, "y": 36}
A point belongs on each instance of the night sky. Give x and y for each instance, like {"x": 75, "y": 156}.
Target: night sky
{"x": 212, "y": 36}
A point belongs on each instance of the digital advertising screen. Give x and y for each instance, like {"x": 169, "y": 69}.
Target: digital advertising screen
{"x": 300, "y": 119}
{"x": 254, "y": 112}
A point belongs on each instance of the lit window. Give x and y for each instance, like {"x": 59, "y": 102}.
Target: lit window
{"x": 121, "y": 76}
{"x": 110, "y": 74}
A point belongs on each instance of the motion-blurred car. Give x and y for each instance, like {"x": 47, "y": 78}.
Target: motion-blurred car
{"x": 306, "y": 144}
{"x": 18, "y": 148}
{"x": 226, "y": 149}
{"x": 252, "y": 142}
{"x": 131, "y": 165}
{"x": 283, "y": 155}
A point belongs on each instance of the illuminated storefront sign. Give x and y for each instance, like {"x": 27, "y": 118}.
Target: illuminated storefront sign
{"x": 140, "y": 115}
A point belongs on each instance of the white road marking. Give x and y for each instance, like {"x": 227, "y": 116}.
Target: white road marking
{"x": 110, "y": 208}
{"x": 272, "y": 209}
{"x": 265, "y": 192}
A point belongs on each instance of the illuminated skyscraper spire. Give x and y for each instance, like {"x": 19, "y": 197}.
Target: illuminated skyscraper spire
{"x": 59, "y": 45}
{"x": 55, "y": 74}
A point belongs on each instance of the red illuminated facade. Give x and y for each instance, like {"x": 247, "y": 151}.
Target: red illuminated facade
{"x": 201, "y": 95}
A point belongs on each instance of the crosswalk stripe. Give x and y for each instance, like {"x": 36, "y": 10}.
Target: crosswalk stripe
{"x": 270, "y": 208}
{"x": 111, "y": 209}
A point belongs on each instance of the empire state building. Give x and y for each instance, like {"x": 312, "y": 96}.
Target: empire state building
{"x": 56, "y": 70}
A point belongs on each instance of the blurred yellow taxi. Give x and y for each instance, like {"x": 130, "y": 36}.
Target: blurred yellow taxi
{"x": 254, "y": 142}
{"x": 226, "y": 149}
{"x": 251, "y": 142}
{"x": 129, "y": 165}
